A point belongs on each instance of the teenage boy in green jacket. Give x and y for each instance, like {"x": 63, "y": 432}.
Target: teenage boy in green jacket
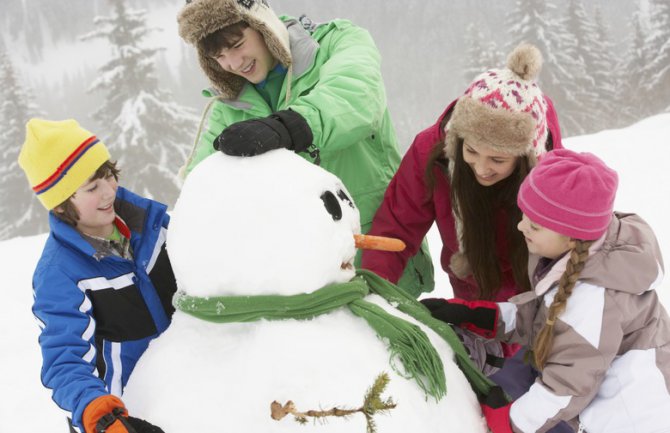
{"x": 314, "y": 89}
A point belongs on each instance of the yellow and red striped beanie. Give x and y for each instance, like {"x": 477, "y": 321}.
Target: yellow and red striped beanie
{"x": 58, "y": 157}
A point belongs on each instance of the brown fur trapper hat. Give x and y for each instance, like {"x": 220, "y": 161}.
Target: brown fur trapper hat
{"x": 503, "y": 109}
{"x": 200, "y": 18}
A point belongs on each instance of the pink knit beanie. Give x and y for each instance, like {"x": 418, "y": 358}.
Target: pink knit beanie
{"x": 570, "y": 193}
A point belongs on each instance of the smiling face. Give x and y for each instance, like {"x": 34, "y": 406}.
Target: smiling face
{"x": 542, "y": 241}
{"x": 248, "y": 57}
{"x": 488, "y": 166}
{"x": 94, "y": 203}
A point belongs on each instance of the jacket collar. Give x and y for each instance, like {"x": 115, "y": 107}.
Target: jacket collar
{"x": 132, "y": 219}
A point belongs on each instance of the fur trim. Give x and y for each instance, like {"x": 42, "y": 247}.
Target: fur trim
{"x": 200, "y": 18}
{"x": 525, "y": 61}
{"x": 459, "y": 265}
{"x": 505, "y": 131}
{"x": 502, "y": 109}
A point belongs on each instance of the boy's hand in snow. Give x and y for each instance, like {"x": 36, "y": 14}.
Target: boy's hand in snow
{"x": 141, "y": 426}
{"x": 282, "y": 129}
{"x": 108, "y": 414}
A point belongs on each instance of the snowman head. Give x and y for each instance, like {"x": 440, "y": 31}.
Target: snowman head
{"x": 270, "y": 224}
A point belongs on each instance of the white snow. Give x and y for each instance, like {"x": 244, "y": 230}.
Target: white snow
{"x": 639, "y": 153}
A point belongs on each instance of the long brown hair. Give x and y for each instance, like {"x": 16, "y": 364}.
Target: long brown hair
{"x": 545, "y": 339}
{"x": 476, "y": 206}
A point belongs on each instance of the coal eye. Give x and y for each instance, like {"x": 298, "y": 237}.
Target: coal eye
{"x": 344, "y": 197}
{"x": 332, "y": 205}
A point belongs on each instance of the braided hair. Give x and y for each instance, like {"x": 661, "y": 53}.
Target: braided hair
{"x": 544, "y": 340}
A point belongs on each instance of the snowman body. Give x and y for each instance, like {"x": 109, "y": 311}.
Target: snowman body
{"x": 277, "y": 225}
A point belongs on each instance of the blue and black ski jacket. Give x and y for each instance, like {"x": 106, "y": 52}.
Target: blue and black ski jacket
{"x": 97, "y": 311}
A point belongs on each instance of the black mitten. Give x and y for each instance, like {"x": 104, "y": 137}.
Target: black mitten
{"x": 284, "y": 128}
{"x": 142, "y": 426}
{"x": 480, "y": 317}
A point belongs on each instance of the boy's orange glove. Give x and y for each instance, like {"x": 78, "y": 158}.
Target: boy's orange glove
{"x": 104, "y": 406}
{"x": 108, "y": 414}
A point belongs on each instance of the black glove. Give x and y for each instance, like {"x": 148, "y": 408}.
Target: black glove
{"x": 284, "y": 128}
{"x": 130, "y": 424}
{"x": 480, "y": 317}
{"x": 141, "y": 426}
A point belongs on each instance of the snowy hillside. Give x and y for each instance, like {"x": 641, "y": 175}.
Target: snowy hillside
{"x": 639, "y": 153}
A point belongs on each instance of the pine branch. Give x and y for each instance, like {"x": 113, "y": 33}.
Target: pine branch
{"x": 372, "y": 405}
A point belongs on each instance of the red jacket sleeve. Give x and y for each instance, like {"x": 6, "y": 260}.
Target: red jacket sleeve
{"x": 407, "y": 211}
{"x": 553, "y": 125}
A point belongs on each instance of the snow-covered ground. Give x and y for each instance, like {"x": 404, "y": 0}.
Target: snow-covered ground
{"x": 639, "y": 153}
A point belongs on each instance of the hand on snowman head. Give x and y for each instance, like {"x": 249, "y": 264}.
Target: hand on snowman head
{"x": 282, "y": 129}
{"x": 108, "y": 414}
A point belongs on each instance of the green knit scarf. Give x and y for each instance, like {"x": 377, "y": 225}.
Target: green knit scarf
{"x": 405, "y": 340}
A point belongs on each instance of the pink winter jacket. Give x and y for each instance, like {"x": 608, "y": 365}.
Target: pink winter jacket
{"x": 609, "y": 366}
{"x": 409, "y": 210}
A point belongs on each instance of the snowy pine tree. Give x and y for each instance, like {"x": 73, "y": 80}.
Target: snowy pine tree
{"x": 604, "y": 72}
{"x": 145, "y": 129}
{"x": 21, "y": 214}
{"x": 535, "y": 21}
{"x": 482, "y": 53}
{"x": 657, "y": 71}
{"x": 581, "y": 49}
{"x": 632, "y": 93}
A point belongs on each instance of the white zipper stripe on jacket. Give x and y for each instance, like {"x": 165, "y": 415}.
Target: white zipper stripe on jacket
{"x": 89, "y": 332}
{"x": 157, "y": 249}
{"x": 116, "y": 386}
{"x": 101, "y": 283}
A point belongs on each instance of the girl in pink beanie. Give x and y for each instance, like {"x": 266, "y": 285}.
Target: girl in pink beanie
{"x": 598, "y": 332}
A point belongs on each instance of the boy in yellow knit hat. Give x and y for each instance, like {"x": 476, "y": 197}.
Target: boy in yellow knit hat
{"x": 104, "y": 284}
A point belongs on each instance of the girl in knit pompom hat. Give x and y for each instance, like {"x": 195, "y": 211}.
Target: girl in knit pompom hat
{"x": 463, "y": 174}
{"x": 103, "y": 285}
{"x": 598, "y": 332}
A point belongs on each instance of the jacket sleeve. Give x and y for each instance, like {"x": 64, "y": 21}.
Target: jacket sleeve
{"x": 67, "y": 341}
{"x": 406, "y": 213}
{"x": 516, "y": 319}
{"x": 348, "y": 101}
{"x": 587, "y": 337}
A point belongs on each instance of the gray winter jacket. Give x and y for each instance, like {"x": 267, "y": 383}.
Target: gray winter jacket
{"x": 609, "y": 366}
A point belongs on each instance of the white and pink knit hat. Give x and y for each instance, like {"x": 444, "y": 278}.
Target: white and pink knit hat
{"x": 570, "y": 193}
{"x": 503, "y": 109}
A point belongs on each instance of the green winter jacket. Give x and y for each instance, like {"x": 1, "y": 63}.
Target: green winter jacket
{"x": 336, "y": 85}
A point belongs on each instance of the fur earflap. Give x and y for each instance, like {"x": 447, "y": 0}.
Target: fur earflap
{"x": 459, "y": 265}
{"x": 525, "y": 61}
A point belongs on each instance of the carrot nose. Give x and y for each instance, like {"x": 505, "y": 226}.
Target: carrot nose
{"x": 367, "y": 242}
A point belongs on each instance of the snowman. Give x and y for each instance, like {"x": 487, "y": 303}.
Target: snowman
{"x": 257, "y": 244}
